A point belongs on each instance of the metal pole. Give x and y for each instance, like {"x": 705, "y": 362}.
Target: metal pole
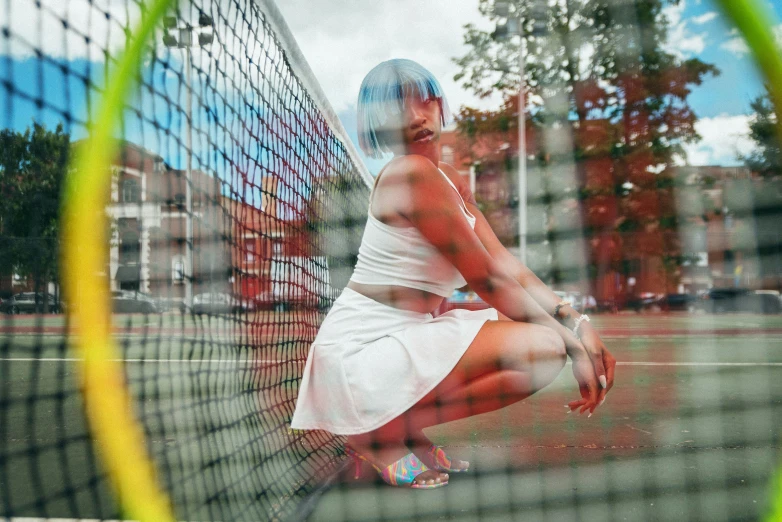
{"x": 188, "y": 183}
{"x": 522, "y": 161}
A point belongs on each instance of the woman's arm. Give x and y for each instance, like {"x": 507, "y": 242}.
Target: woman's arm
{"x": 546, "y": 299}
{"x": 433, "y": 207}
{"x": 538, "y": 290}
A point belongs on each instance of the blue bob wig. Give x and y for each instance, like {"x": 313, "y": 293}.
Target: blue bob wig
{"x": 382, "y": 96}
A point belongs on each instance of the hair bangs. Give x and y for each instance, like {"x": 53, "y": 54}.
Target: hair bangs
{"x": 382, "y": 97}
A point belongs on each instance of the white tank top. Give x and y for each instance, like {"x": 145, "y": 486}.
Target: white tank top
{"x": 402, "y": 256}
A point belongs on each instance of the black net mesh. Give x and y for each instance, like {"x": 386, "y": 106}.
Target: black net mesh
{"x": 237, "y": 207}
{"x": 229, "y": 187}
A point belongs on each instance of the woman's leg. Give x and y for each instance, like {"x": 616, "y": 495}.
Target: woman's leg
{"x": 506, "y": 362}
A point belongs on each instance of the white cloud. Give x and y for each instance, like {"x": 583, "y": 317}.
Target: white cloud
{"x": 735, "y": 45}
{"x": 681, "y": 41}
{"x": 725, "y": 137}
{"x": 705, "y": 17}
{"x": 343, "y": 40}
{"x": 738, "y": 46}
{"x": 41, "y": 28}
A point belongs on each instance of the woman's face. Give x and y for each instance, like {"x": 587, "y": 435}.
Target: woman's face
{"x": 419, "y": 125}
{"x": 422, "y": 123}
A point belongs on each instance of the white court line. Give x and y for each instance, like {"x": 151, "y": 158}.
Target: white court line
{"x": 211, "y": 361}
{"x": 639, "y": 363}
{"x": 300, "y": 361}
{"x": 29, "y": 519}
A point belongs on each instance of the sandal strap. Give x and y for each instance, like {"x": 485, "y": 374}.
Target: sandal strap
{"x": 403, "y": 471}
{"x": 438, "y": 456}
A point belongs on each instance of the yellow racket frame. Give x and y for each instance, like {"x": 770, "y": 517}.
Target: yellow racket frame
{"x": 118, "y": 436}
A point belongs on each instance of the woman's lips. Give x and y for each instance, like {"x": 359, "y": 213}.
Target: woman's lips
{"x": 423, "y": 136}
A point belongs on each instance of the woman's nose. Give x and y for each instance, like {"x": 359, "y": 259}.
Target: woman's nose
{"x": 416, "y": 117}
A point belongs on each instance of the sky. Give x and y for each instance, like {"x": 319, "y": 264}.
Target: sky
{"x": 343, "y": 40}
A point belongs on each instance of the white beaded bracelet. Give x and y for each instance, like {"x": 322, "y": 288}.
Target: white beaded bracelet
{"x": 581, "y": 319}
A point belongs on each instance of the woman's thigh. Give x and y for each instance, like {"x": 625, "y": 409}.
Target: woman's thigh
{"x": 534, "y": 350}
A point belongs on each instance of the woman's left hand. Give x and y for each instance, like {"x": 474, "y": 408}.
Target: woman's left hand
{"x": 601, "y": 358}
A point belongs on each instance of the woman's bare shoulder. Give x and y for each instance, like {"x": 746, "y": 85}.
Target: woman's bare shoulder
{"x": 462, "y": 184}
{"x": 411, "y": 164}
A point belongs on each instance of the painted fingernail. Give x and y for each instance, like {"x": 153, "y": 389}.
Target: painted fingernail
{"x": 568, "y": 411}
{"x": 602, "y": 380}
{"x": 589, "y": 415}
{"x": 566, "y": 406}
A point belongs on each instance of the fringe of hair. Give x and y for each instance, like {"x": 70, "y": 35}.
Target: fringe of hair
{"x": 382, "y": 95}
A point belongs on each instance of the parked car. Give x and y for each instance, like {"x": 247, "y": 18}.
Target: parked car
{"x": 26, "y": 303}
{"x": 130, "y": 301}
{"x": 219, "y": 303}
{"x": 720, "y": 300}
{"x": 167, "y": 304}
{"x": 645, "y": 301}
{"x": 767, "y": 302}
{"x": 279, "y": 302}
{"x": 245, "y": 304}
{"x": 589, "y": 304}
{"x": 610, "y": 305}
{"x": 468, "y": 300}
{"x": 679, "y": 302}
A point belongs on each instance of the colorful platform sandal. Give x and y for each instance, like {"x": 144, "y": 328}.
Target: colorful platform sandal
{"x": 439, "y": 460}
{"x": 401, "y": 473}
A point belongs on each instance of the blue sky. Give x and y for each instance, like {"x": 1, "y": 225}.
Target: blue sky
{"x": 429, "y": 32}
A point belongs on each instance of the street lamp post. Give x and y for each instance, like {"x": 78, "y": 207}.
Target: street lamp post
{"x": 513, "y": 27}
{"x": 185, "y": 41}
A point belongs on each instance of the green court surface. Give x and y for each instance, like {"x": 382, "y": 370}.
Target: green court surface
{"x": 689, "y": 432}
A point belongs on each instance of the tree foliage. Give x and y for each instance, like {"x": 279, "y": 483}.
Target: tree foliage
{"x": 601, "y": 69}
{"x": 33, "y": 166}
{"x": 766, "y": 160}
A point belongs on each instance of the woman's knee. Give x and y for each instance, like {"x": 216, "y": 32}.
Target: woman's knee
{"x": 550, "y": 356}
{"x": 555, "y": 346}
{"x": 540, "y": 345}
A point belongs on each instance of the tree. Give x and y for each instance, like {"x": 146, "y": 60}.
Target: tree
{"x": 766, "y": 160}
{"x": 766, "y": 193}
{"x": 33, "y": 166}
{"x": 599, "y": 70}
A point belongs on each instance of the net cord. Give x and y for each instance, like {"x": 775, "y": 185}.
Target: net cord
{"x": 307, "y": 78}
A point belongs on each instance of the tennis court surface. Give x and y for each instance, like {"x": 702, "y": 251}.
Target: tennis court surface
{"x": 689, "y": 432}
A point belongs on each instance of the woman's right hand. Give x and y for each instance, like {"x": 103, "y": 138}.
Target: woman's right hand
{"x": 586, "y": 377}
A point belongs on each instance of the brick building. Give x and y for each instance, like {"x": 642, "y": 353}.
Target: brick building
{"x": 234, "y": 240}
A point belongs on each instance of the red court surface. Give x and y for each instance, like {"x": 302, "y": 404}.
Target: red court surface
{"x": 690, "y": 431}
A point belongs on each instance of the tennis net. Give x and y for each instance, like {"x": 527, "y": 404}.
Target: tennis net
{"x": 237, "y": 203}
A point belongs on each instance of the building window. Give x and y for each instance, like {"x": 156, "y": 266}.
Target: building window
{"x": 250, "y": 250}
{"x": 448, "y": 156}
{"x": 129, "y": 247}
{"x": 178, "y": 269}
{"x": 130, "y": 191}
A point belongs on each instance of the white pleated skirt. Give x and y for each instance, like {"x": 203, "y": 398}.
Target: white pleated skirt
{"x": 371, "y": 362}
